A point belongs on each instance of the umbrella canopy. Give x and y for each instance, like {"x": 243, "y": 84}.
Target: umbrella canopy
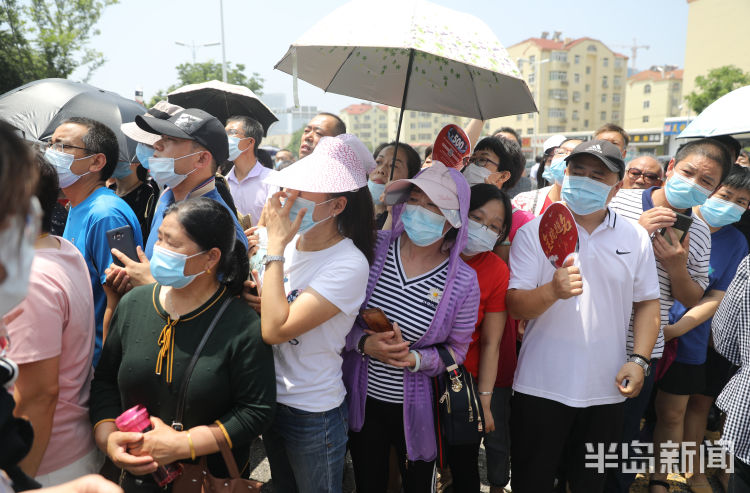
{"x": 39, "y": 107}
{"x": 728, "y": 115}
{"x": 450, "y": 62}
{"x": 223, "y": 100}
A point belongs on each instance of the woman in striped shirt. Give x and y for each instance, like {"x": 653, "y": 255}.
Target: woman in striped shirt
{"x": 431, "y": 298}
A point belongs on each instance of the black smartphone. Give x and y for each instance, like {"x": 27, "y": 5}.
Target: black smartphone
{"x": 122, "y": 238}
{"x": 681, "y": 227}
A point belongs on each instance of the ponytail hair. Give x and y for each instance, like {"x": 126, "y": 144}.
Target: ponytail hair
{"x": 210, "y": 225}
{"x": 357, "y": 221}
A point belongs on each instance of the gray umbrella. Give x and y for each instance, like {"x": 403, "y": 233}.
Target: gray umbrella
{"x": 37, "y": 108}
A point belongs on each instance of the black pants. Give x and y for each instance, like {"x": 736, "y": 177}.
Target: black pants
{"x": 371, "y": 447}
{"x": 546, "y": 434}
{"x": 740, "y": 481}
{"x": 464, "y": 463}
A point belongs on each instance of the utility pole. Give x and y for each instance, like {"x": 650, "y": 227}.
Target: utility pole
{"x": 194, "y": 47}
{"x": 223, "y": 44}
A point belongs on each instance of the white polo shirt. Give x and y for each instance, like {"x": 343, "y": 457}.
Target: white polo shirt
{"x": 573, "y": 351}
{"x": 251, "y": 193}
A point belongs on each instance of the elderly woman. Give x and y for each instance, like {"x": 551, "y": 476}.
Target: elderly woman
{"x": 199, "y": 269}
{"x": 431, "y": 298}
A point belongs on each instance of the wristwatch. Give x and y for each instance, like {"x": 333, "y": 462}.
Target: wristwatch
{"x": 642, "y": 362}
{"x": 361, "y": 345}
{"x": 272, "y": 258}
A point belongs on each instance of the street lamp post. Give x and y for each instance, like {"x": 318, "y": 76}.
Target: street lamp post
{"x": 538, "y": 90}
{"x": 194, "y": 47}
{"x": 223, "y": 44}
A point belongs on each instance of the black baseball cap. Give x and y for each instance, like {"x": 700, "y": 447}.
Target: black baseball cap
{"x": 192, "y": 124}
{"x": 605, "y": 151}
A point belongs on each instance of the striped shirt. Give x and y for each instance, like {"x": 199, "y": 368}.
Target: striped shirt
{"x": 411, "y": 303}
{"x": 631, "y": 203}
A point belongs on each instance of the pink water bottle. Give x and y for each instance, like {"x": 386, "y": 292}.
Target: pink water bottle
{"x": 136, "y": 419}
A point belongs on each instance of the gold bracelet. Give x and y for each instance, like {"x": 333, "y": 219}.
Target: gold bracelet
{"x": 192, "y": 449}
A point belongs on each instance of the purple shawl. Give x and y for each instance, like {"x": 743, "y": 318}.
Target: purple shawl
{"x": 461, "y": 295}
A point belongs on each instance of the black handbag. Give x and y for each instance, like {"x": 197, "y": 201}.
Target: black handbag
{"x": 459, "y": 417}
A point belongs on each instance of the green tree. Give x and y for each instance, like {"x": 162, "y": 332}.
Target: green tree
{"x": 293, "y": 145}
{"x": 41, "y": 39}
{"x": 195, "y": 73}
{"x": 717, "y": 83}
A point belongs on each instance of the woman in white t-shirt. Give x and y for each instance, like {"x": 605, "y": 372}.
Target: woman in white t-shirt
{"x": 320, "y": 244}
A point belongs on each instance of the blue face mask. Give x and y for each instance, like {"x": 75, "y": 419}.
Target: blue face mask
{"x": 583, "y": 195}
{"x": 234, "y": 147}
{"x": 168, "y": 268}
{"x": 718, "y": 212}
{"x": 683, "y": 193}
{"x": 144, "y": 153}
{"x": 481, "y": 239}
{"x": 307, "y": 221}
{"x": 423, "y": 227}
{"x": 555, "y": 172}
{"x": 376, "y": 190}
{"x": 162, "y": 170}
{"x": 122, "y": 170}
{"x": 62, "y": 162}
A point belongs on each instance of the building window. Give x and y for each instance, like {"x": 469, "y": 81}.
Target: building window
{"x": 645, "y": 119}
{"x": 588, "y": 88}
{"x": 585, "y": 124}
{"x": 605, "y": 82}
{"x": 618, "y": 63}
{"x": 615, "y": 115}
{"x": 676, "y": 86}
{"x": 425, "y": 125}
{"x": 532, "y": 77}
{"x": 576, "y": 78}
{"x": 518, "y": 118}
{"x": 647, "y": 89}
{"x": 603, "y": 116}
{"x": 558, "y": 75}
{"x": 530, "y": 131}
{"x": 413, "y": 114}
{"x": 577, "y": 59}
{"x": 588, "y": 70}
{"x": 591, "y": 48}
{"x": 530, "y": 116}
{"x": 559, "y": 56}
{"x": 605, "y": 62}
{"x": 412, "y": 125}
{"x": 556, "y": 113}
{"x": 425, "y": 136}
{"x": 576, "y": 96}
{"x": 618, "y": 81}
{"x": 586, "y": 105}
{"x": 518, "y": 131}
{"x": 604, "y": 98}
{"x": 558, "y": 94}
{"x": 616, "y": 97}
{"x": 646, "y": 104}
{"x": 575, "y": 115}
{"x": 532, "y": 59}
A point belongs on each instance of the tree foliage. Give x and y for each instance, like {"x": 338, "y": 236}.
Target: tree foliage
{"x": 195, "y": 73}
{"x": 294, "y": 144}
{"x": 42, "y": 38}
{"x": 715, "y": 84}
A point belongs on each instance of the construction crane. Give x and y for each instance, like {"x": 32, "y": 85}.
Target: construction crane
{"x": 633, "y": 51}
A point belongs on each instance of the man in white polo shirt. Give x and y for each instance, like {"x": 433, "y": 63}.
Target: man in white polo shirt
{"x": 573, "y": 372}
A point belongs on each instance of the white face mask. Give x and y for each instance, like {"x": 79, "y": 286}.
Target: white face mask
{"x": 481, "y": 239}
{"x": 16, "y": 255}
{"x": 476, "y": 174}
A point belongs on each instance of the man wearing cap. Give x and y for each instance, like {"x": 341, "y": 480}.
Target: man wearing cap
{"x": 185, "y": 160}
{"x": 246, "y": 177}
{"x": 682, "y": 266}
{"x": 322, "y": 125}
{"x": 84, "y": 153}
{"x": 573, "y": 373}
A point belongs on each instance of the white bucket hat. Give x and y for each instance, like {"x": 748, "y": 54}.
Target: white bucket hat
{"x": 161, "y": 110}
{"x": 333, "y": 167}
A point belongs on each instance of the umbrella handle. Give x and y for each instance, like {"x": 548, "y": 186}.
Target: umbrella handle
{"x": 401, "y": 113}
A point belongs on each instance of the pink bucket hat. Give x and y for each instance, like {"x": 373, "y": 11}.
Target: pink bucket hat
{"x": 333, "y": 167}
{"x": 361, "y": 150}
{"x": 435, "y": 181}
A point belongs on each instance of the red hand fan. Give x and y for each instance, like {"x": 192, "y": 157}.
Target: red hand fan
{"x": 558, "y": 234}
{"x": 451, "y": 146}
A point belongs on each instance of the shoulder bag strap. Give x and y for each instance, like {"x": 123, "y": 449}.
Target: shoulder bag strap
{"x": 177, "y": 424}
{"x": 221, "y": 441}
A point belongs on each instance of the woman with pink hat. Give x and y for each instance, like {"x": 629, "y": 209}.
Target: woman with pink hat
{"x": 320, "y": 243}
{"x": 431, "y": 298}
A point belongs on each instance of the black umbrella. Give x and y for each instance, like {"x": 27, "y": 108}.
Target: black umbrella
{"x": 37, "y": 108}
{"x": 223, "y": 100}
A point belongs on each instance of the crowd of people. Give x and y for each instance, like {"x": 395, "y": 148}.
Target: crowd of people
{"x": 235, "y": 300}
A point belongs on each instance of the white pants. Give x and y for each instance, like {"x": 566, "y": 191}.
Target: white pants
{"x": 88, "y": 464}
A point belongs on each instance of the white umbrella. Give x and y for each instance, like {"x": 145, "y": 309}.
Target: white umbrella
{"x": 728, "y": 115}
{"x": 410, "y": 54}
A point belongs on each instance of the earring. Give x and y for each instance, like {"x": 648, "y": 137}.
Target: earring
{"x": 208, "y": 271}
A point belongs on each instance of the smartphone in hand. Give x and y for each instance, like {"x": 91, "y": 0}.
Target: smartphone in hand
{"x": 123, "y": 239}
{"x": 681, "y": 227}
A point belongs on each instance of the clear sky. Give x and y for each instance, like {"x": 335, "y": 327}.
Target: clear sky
{"x": 138, "y": 36}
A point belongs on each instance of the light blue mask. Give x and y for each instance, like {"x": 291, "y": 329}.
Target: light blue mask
{"x": 168, "y": 267}
{"x": 481, "y": 239}
{"x": 307, "y": 220}
{"x": 144, "y": 153}
{"x": 684, "y": 193}
{"x": 122, "y": 170}
{"x": 62, "y": 162}
{"x": 376, "y": 190}
{"x": 555, "y": 172}
{"x": 718, "y": 212}
{"x": 583, "y": 195}
{"x": 423, "y": 227}
{"x": 234, "y": 147}
{"x": 162, "y": 170}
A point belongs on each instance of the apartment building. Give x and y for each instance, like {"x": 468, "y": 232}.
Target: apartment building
{"x": 652, "y": 96}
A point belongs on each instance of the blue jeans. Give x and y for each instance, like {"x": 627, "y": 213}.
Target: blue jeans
{"x": 307, "y": 450}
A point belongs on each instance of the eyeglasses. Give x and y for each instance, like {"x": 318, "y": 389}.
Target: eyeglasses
{"x": 634, "y": 173}
{"x": 561, "y": 151}
{"x": 483, "y": 162}
{"x": 60, "y": 147}
{"x": 486, "y": 227}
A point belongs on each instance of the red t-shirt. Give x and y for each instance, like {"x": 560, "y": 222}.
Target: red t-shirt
{"x": 493, "y": 276}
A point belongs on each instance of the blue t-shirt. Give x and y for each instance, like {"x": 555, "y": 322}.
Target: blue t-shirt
{"x": 167, "y": 199}
{"x": 87, "y": 227}
{"x": 728, "y": 248}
